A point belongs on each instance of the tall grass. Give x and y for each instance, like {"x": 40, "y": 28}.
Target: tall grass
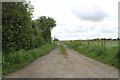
{"x": 21, "y": 58}
{"x": 63, "y": 50}
{"x": 103, "y": 51}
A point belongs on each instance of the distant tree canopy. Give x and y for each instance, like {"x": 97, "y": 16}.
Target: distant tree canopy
{"x": 19, "y": 31}
{"x": 118, "y": 38}
{"x": 106, "y": 39}
{"x": 55, "y": 39}
{"x": 45, "y": 25}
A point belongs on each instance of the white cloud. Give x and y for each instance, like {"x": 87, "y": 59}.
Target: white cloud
{"x": 94, "y": 14}
{"x": 80, "y": 19}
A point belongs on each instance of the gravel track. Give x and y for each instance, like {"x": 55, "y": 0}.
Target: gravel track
{"x": 55, "y": 65}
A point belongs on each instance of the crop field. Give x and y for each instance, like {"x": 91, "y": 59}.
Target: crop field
{"x": 105, "y": 51}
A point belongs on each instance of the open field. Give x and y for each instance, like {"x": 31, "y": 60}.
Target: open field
{"x": 104, "y": 51}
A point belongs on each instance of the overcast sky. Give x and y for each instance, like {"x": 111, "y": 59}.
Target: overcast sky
{"x": 80, "y": 19}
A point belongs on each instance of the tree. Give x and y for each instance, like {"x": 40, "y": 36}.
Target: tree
{"x": 55, "y": 39}
{"x": 103, "y": 39}
{"x": 118, "y": 38}
{"x": 19, "y": 31}
{"x": 45, "y": 25}
{"x": 16, "y": 26}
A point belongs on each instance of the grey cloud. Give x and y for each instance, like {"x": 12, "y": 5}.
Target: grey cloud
{"x": 90, "y": 14}
{"x": 108, "y": 30}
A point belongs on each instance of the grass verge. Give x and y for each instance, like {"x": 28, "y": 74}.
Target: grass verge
{"x": 107, "y": 55}
{"x": 63, "y": 50}
{"x": 21, "y": 58}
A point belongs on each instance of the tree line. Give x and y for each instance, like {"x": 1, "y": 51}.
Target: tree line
{"x": 19, "y": 31}
{"x": 106, "y": 39}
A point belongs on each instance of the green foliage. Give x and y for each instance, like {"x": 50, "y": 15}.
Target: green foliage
{"x": 21, "y": 35}
{"x": 16, "y": 26}
{"x": 19, "y": 31}
{"x": 45, "y": 24}
{"x": 55, "y": 39}
{"x": 106, "y": 52}
{"x": 21, "y": 58}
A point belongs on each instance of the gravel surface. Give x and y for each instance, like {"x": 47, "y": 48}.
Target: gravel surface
{"x": 55, "y": 65}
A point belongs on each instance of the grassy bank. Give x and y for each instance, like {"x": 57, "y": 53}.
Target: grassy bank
{"x": 21, "y": 58}
{"x": 63, "y": 50}
{"x": 105, "y": 52}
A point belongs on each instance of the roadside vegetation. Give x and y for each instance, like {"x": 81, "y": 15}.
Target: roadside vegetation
{"x": 23, "y": 39}
{"x": 105, "y": 51}
{"x": 21, "y": 58}
{"x": 63, "y": 50}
